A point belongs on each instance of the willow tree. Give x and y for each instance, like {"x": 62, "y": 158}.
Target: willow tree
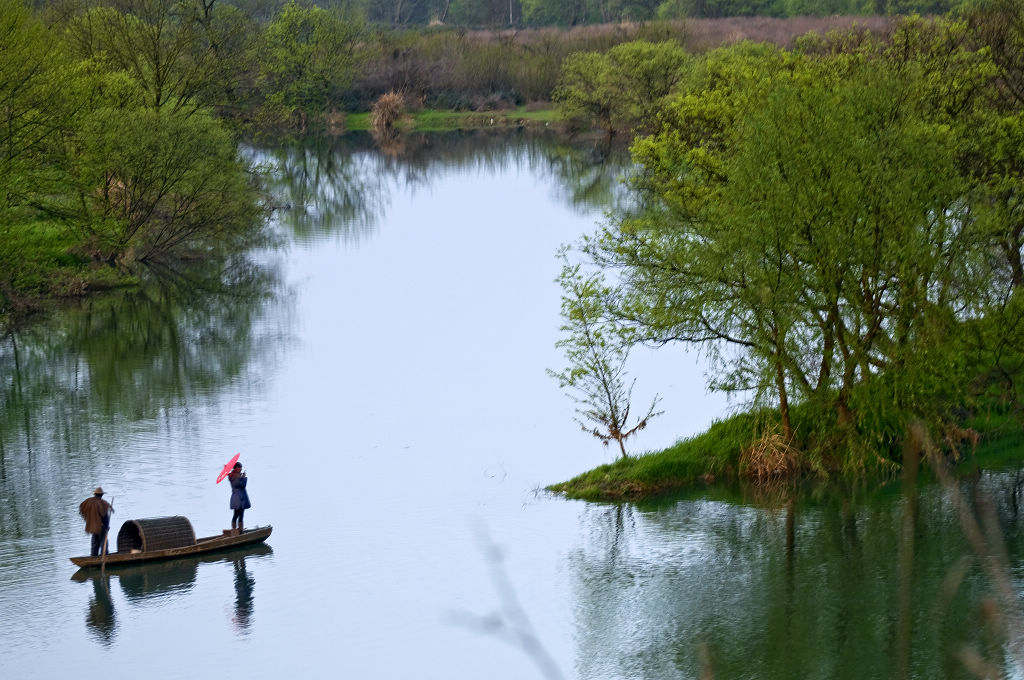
{"x": 806, "y": 224}
{"x": 33, "y": 75}
{"x": 995, "y": 136}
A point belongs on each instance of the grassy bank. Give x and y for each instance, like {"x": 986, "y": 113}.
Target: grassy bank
{"x": 49, "y": 269}
{"x": 698, "y": 460}
{"x": 720, "y": 454}
{"x": 432, "y": 120}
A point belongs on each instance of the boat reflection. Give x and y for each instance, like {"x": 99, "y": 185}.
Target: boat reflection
{"x": 155, "y": 582}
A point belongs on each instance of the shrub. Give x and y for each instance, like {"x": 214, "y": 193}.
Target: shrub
{"x": 387, "y": 112}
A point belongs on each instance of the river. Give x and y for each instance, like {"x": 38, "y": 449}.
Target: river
{"x": 381, "y": 370}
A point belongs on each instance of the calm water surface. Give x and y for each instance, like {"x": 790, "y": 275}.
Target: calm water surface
{"x": 383, "y": 375}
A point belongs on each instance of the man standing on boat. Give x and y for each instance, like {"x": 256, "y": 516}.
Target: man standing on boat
{"x": 96, "y": 512}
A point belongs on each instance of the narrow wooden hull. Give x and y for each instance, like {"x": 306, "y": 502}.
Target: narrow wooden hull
{"x": 202, "y": 545}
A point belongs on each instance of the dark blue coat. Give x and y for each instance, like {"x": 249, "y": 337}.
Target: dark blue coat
{"x": 239, "y": 496}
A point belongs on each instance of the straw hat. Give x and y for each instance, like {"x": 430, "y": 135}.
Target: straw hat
{"x": 98, "y": 491}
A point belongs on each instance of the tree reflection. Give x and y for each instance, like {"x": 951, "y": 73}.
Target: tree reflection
{"x": 840, "y": 585}
{"x": 591, "y": 175}
{"x": 323, "y": 184}
{"x": 180, "y": 332}
{"x": 176, "y": 339}
{"x": 341, "y": 186}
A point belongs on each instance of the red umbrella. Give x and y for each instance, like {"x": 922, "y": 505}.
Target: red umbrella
{"x": 227, "y": 468}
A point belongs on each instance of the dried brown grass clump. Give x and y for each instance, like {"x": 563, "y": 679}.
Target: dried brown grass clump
{"x": 770, "y": 457}
{"x": 386, "y": 113}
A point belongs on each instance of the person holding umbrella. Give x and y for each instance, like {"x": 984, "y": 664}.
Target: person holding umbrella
{"x": 239, "y": 496}
{"x": 96, "y": 512}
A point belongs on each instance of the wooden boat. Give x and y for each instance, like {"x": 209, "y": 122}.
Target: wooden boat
{"x": 166, "y": 538}
{"x": 142, "y": 579}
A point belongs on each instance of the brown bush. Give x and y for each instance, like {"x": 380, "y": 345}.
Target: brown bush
{"x": 387, "y": 112}
{"x": 770, "y": 457}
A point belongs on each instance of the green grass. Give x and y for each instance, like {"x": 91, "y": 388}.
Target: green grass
{"x": 432, "y": 120}
{"x": 698, "y": 460}
{"x": 1000, "y": 448}
{"x": 40, "y": 265}
{"x": 715, "y": 456}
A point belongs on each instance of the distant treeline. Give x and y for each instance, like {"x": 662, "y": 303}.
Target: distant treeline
{"x": 280, "y": 64}
{"x": 565, "y": 13}
{"x": 536, "y": 13}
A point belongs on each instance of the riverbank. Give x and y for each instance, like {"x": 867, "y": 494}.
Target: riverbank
{"x": 54, "y": 267}
{"x": 434, "y": 120}
{"x": 51, "y": 271}
{"x": 721, "y": 454}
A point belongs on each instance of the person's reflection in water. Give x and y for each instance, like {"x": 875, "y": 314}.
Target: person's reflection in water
{"x": 244, "y": 584}
{"x": 99, "y": 617}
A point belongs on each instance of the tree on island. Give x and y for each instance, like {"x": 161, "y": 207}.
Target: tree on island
{"x": 597, "y": 357}
{"x": 825, "y": 222}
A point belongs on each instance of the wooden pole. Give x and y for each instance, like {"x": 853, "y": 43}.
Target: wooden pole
{"x": 106, "y": 537}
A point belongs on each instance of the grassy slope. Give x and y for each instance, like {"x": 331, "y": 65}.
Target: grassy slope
{"x": 47, "y": 269}
{"x": 715, "y": 455}
{"x": 697, "y": 460}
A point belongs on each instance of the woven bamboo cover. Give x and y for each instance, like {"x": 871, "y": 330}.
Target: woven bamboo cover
{"x": 155, "y": 533}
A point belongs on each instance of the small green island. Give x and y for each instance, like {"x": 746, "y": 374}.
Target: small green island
{"x": 826, "y": 202}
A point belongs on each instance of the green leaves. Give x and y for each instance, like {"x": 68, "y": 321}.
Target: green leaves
{"x": 178, "y": 187}
{"x": 308, "y": 58}
{"x": 622, "y": 88}
{"x": 596, "y": 352}
{"x": 32, "y": 106}
{"x": 811, "y": 222}
{"x": 163, "y": 45}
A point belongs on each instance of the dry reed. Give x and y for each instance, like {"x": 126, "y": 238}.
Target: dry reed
{"x": 387, "y": 112}
{"x": 772, "y": 456}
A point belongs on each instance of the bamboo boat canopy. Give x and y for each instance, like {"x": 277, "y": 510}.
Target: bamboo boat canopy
{"x": 155, "y": 533}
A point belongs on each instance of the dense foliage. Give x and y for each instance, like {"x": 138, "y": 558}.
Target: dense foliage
{"x": 409, "y": 13}
{"x": 838, "y": 227}
{"x": 111, "y": 154}
{"x": 836, "y": 221}
{"x": 120, "y": 116}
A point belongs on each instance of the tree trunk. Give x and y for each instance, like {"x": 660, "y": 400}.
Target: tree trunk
{"x": 1011, "y": 249}
{"x": 780, "y": 384}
